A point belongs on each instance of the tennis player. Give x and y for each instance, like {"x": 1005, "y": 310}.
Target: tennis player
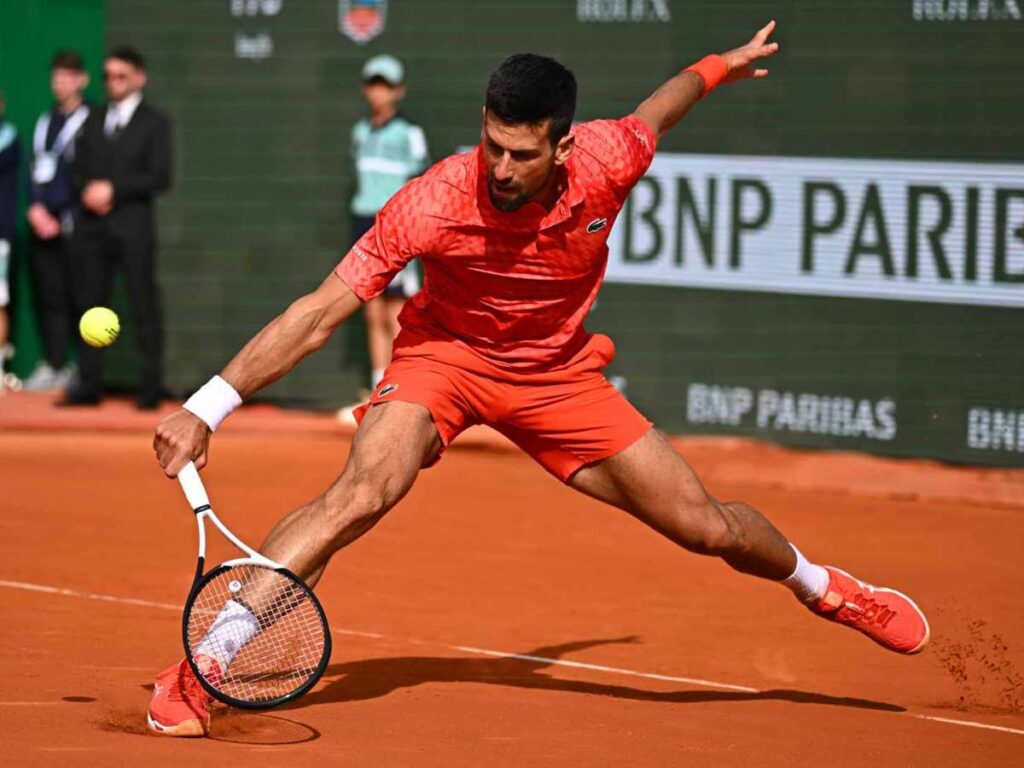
{"x": 512, "y": 238}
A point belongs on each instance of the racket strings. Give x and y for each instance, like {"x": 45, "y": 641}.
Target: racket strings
{"x": 262, "y": 627}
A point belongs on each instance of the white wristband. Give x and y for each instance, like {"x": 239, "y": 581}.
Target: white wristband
{"x": 213, "y": 401}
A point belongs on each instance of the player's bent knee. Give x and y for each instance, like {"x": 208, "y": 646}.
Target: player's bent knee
{"x": 357, "y": 502}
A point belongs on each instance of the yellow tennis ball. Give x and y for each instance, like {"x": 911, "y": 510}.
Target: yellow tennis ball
{"x": 99, "y": 327}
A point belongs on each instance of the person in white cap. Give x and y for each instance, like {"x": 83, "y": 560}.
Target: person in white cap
{"x": 388, "y": 150}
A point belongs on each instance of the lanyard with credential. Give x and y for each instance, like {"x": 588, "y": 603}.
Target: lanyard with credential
{"x": 44, "y": 166}
{"x": 71, "y": 126}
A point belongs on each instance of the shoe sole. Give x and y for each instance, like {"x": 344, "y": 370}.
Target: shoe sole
{"x": 927, "y": 627}
{"x": 189, "y": 729}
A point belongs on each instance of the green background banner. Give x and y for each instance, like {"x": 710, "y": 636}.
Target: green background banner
{"x": 31, "y": 31}
{"x": 264, "y": 92}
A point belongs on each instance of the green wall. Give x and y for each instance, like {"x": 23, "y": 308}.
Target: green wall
{"x": 31, "y": 31}
{"x": 258, "y": 213}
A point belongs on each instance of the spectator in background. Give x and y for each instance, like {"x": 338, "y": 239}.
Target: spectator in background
{"x": 388, "y": 149}
{"x": 51, "y": 218}
{"x": 122, "y": 162}
{"x": 10, "y": 158}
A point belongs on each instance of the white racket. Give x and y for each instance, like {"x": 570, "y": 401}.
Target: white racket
{"x": 254, "y": 633}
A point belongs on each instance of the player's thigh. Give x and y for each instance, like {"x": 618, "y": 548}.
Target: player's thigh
{"x": 393, "y": 441}
{"x": 650, "y": 480}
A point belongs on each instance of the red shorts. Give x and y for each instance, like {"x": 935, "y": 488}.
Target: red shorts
{"x": 565, "y": 417}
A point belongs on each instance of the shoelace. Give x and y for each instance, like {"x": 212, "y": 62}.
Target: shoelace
{"x": 186, "y": 689}
{"x": 869, "y": 611}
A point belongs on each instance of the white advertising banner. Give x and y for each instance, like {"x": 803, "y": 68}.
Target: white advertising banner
{"x": 947, "y": 232}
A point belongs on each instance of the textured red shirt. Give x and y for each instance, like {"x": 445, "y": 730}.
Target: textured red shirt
{"x": 512, "y": 287}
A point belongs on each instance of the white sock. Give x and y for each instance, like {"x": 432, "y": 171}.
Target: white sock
{"x": 375, "y": 377}
{"x": 231, "y": 630}
{"x": 809, "y": 582}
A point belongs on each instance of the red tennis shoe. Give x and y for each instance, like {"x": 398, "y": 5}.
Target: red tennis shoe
{"x": 180, "y": 706}
{"x": 888, "y": 617}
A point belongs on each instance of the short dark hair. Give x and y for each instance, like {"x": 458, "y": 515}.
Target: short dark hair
{"x": 128, "y": 53}
{"x": 68, "y": 60}
{"x": 526, "y": 88}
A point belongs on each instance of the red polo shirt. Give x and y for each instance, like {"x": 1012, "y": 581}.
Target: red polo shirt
{"x": 512, "y": 287}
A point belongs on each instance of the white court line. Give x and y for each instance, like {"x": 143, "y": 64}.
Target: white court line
{"x": 88, "y": 595}
{"x": 969, "y": 723}
{"x": 357, "y": 633}
{"x": 486, "y": 652}
{"x": 602, "y": 668}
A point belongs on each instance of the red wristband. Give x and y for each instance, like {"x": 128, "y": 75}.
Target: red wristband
{"x": 712, "y": 70}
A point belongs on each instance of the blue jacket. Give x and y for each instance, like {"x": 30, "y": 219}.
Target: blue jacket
{"x": 58, "y": 194}
{"x": 10, "y": 160}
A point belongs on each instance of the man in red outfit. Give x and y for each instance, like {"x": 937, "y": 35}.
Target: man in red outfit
{"x": 512, "y": 238}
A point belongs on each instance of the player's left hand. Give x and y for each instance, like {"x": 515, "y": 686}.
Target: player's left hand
{"x": 741, "y": 60}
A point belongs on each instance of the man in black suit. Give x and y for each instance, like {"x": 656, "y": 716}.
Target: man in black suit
{"x": 122, "y": 162}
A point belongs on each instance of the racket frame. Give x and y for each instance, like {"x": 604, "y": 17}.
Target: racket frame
{"x": 198, "y": 499}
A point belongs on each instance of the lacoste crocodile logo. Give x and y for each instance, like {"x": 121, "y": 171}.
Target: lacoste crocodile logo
{"x": 596, "y": 225}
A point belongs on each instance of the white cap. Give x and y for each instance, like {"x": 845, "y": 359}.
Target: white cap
{"x": 386, "y": 67}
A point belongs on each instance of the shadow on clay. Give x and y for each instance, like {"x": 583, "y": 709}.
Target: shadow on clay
{"x": 373, "y": 678}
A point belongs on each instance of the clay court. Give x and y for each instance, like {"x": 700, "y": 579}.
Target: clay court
{"x": 497, "y": 618}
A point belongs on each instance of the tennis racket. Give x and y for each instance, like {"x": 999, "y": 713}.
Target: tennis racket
{"x": 254, "y": 634}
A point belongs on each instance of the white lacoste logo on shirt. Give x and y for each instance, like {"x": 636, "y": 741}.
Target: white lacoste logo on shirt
{"x": 360, "y": 253}
{"x": 596, "y": 225}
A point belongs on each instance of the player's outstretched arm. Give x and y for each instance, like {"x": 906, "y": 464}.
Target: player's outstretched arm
{"x": 667, "y": 105}
{"x": 300, "y": 330}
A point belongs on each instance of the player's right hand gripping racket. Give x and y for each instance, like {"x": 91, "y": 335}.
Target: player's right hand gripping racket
{"x": 254, "y": 633}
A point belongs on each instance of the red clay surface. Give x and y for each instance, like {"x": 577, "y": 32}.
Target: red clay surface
{"x": 488, "y": 553}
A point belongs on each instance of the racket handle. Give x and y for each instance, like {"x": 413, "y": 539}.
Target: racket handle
{"x": 193, "y": 487}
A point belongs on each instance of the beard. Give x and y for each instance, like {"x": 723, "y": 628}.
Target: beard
{"x": 506, "y": 204}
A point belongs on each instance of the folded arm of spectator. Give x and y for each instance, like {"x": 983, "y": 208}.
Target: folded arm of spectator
{"x": 55, "y": 199}
{"x": 44, "y": 224}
